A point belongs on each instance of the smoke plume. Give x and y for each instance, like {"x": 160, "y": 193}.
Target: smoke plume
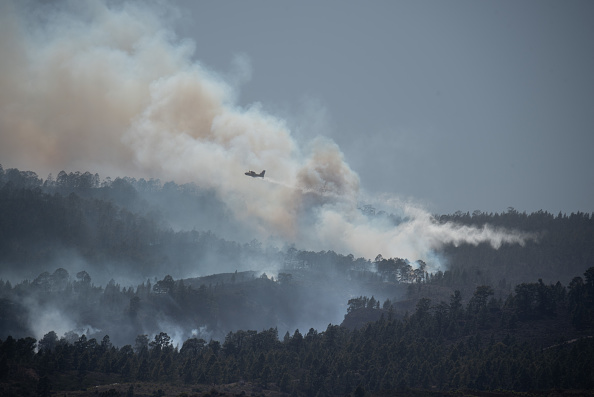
{"x": 110, "y": 88}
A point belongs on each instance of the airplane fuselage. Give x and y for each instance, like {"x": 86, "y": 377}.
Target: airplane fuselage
{"x": 254, "y": 175}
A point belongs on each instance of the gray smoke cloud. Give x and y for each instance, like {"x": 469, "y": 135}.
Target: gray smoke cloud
{"x": 110, "y": 88}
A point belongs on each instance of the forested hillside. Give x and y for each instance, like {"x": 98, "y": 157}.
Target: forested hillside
{"x": 114, "y": 226}
{"x": 148, "y": 226}
{"x": 130, "y": 280}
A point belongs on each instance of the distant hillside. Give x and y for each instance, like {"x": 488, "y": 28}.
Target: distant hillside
{"x": 151, "y": 228}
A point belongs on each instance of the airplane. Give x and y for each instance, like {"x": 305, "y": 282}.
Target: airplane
{"x": 254, "y": 175}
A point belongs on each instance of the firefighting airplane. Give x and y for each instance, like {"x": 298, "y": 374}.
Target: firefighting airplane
{"x": 254, "y": 175}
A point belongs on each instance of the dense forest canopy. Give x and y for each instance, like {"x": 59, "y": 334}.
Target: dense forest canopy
{"x": 92, "y": 269}
{"x": 538, "y": 338}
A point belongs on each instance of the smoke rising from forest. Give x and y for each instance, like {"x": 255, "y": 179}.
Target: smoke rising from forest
{"x": 110, "y": 88}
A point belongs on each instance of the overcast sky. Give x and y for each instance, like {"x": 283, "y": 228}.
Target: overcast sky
{"x": 459, "y": 105}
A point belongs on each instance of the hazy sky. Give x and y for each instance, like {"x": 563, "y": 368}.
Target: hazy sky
{"x": 454, "y": 105}
{"x": 460, "y": 105}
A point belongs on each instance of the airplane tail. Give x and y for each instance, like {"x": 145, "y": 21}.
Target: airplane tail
{"x": 262, "y": 174}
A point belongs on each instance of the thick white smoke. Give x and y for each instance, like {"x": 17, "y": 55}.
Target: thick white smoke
{"x": 418, "y": 236}
{"x": 110, "y": 88}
